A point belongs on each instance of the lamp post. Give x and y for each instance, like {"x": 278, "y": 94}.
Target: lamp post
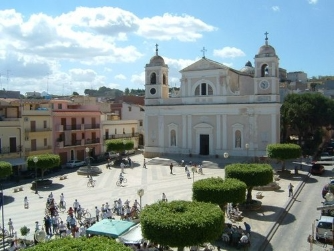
{"x": 193, "y": 169}
{"x": 35, "y": 159}
{"x": 88, "y": 159}
{"x": 140, "y": 193}
{"x": 247, "y": 148}
{"x": 124, "y": 147}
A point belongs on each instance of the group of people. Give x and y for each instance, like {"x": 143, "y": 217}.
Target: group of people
{"x": 126, "y": 211}
{"x": 237, "y": 235}
{"x": 197, "y": 168}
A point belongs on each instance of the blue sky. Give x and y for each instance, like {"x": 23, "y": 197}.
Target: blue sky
{"x": 65, "y": 46}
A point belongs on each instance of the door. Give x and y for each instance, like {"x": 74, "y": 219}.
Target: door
{"x": 12, "y": 145}
{"x": 204, "y": 144}
{"x": 33, "y": 145}
{"x": 33, "y": 126}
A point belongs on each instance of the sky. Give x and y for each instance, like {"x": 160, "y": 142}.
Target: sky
{"x": 61, "y": 46}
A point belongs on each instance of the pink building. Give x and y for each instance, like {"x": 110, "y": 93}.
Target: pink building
{"x": 75, "y": 128}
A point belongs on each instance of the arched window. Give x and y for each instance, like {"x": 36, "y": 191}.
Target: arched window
{"x": 237, "y": 136}
{"x": 203, "y": 90}
{"x": 172, "y": 138}
{"x": 153, "y": 78}
{"x": 264, "y": 70}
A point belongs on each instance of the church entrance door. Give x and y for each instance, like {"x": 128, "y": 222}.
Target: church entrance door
{"x": 204, "y": 144}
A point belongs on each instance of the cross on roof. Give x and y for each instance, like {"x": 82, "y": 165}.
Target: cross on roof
{"x": 156, "y": 49}
{"x": 203, "y": 50}
{"x": 266, "y": 33}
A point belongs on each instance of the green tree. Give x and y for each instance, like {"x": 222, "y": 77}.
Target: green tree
{"x": 251, "y": 174}
{"x": 283, "y": 152}
{"x": 75, "y": 94}
{"x": 45, "y": 162}
{"x": 82, "y": 243}
{"x": 181, "y": 223}
{"x": 5, "y": 169}
{"x": 127, "y": 91}
{"x": 119, "y": 145}
{"x": 219, "y": 191}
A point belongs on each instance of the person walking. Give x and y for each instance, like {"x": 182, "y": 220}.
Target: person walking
{"x": 144, "y": 166}
{"x": 75, "y": 206}
{"x": 97, "y": 213}
{"x": 10, "y": 227}
{"x": 122, "y": 167}
{"x": 62, "y": 199}
{"x": 290, "y": 187}
{"x": 171, "y": 168}
{"x": 247, "y": 229}
{"x": 164, "y": 197}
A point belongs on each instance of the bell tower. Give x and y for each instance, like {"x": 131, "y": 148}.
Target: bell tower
{"x": 266, "y": 77}
{"x": 156, "y": 78}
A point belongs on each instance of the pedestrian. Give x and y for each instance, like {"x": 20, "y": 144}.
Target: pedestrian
{"x": 247, "y": 229}
{"x": 108, "y": 165}
{"x": 10, "y": 227}
{"x": 188, "y": 174}
{"x": 122, "y": 167}
{"x": 186, "y": 168}
{"x": 171, "y": 168}
{"x": 75, "y": 206}
{"x": 97, "y": 213}
{"x": 26, "y": 203}
{"x": 55, "y": 224}
{"x": 62, "y": 229}
{"x": 144, "y": 166}
{"x": 129, "y": 161}
{"x": 62, "y": 199}
{"x": 290, "y": 187}
{"x": 36, "y": 226}
{"x": 164, "y": 197}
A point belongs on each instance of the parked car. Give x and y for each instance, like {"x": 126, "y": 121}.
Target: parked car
{"x": 75, "y": 163}
{"x": 129, "y": 152}
{"x": 85, "y": 170}
{"x": 324, "y": 228}
{"x": 111, "y": 155}
{"x": 317, "y": 169}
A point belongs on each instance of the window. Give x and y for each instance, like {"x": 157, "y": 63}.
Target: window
{"x": 172, "y": 138}
{"x": 164, "y": 79}
{"x": 45, "y": 124}
{"x": 60, "y": 106}
{"x": 82, "y": 120}
{"x": 264, "y": 70}
{"x": 153, "y": 79}
{"x": 45, "y": 142}
{"x": 129, "y": 108}
{"x": 237, "y": 137}
{"x": 140, "y": 123}
{"x": 203, "y": 90}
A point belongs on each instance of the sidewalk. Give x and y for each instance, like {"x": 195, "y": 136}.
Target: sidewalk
{"x": 155, "y": 180}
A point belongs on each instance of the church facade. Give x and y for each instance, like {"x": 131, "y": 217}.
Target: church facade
{"x": 217, "y": 110}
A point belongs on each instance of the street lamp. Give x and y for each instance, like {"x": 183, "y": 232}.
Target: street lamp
{"x": 140, "y": 193}
{"x": 193, "y": 169}
{"x": 124, "y": 147}
{"x": 35, "y": 159}
{"x": 247, "y": 148}
{"x": 88, "y": 159}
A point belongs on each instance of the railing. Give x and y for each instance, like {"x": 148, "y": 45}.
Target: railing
{"x": 37, "y": 149}
{"x": 121, "y": 136}
{"x": 92, "y": 141}
{"x": 3, "y": 150}
{"x": 38, "y": 130}
{"x": 93, "y": 126}
{"x": 72, "y": 127}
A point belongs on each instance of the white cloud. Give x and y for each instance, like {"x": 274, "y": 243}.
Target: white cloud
{"x": 167, "y": 27}
{"x": 312, "y": 1}
{"x": 138, "y": 79}
{"x": 120, "y": 76}
{"x": 275, "y": 8}
{"x": 82, "y": 75}
{"x": 229, "y": 52}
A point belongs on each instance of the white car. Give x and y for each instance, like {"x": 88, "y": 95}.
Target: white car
{"x": 111, "y": 155}
{"x": 75, "y": 163}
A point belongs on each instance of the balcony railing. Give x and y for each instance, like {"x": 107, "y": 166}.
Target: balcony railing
{"x": 72, "y": 127}
{"x": 92, "y": 141}
{"x": 37, "y": 149}
{"x": 121, "y": 136}
{"x": 4, "y": 150}
{"x": 38, "y": 130}
{"x": 93, "y": 126}
{"x": 80, "y": 142}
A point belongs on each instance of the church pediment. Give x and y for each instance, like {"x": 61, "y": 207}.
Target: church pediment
{"x": 204, "y": 64}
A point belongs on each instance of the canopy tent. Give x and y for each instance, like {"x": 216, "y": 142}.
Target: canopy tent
{"x": 15, "y": 161}
{"x": 110, "y": 228}
{"x": 132, "y": 236}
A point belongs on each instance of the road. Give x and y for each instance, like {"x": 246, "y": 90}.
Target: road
{"x": 293, "y": 231}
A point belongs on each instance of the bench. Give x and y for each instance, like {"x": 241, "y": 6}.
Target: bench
{"x": 63, "y": 177}
{"x": 20, "y": 188}
{"x": 16, "y": 189}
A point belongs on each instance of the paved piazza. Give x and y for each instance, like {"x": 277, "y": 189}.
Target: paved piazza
{"x": 155, "y": 180}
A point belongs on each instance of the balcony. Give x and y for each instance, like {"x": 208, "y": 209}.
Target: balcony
{"x": 92, "y": 141}
{"x": 37, "y": 130}
{"x": 9, "y": 150}
{"x": 38, "y": 150}
{"x": 9, "y": 121}
{"x": 93, "y": 126}
{"x": 80, "y": 142}
{"x": 121, "y": 136}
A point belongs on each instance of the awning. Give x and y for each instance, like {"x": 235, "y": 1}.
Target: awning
{"x": 132, "y": 236}
{"x": 110, "y": 228}
{"x": 15, "y": 161}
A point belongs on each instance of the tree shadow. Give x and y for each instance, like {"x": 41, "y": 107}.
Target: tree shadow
{"x": 52, "y": 187}
{"x": 8, "y": 199}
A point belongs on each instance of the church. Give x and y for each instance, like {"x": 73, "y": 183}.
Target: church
{"x": 218, "y": 111}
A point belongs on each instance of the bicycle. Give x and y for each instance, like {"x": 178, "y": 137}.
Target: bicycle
{"x": 86, "y": 214}
{"x": 119, "y": 183}
{"x": 62, "y": 206}
{"x": 4, "y": 232}
{"x": 91, "y": 183}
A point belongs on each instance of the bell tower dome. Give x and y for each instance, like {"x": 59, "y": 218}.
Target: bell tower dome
{"x": 156, "y": 78}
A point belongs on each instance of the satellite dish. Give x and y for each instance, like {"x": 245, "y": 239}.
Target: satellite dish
{"x": 40, "y": 236}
